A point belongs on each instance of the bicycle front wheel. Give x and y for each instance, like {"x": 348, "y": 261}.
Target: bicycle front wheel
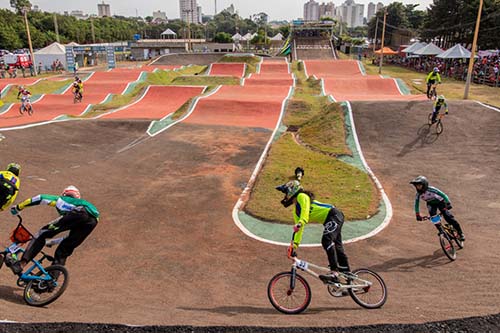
{"x": 284, "y": 298}
{"x": 447, "y": 246}
{"x": 370, "y": 290}
{"x": 439, "y": 127}
{"x": 43, "y": 292}
{"x": 429, "y": 119}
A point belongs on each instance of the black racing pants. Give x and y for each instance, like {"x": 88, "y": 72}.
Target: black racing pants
{"x": 448, "y": 216}
{"x": 435, "y": 112}
{"x": 79, "y": 223}
{"x": 429, "y": 85}
{"x": 332, "y": 241}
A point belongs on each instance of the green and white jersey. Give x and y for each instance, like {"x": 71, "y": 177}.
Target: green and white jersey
{"x": 432, "y": 196}
{"x": 62, "y": 204}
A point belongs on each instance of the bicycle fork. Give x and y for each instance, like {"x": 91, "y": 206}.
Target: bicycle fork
{"x": 292, "y": 279}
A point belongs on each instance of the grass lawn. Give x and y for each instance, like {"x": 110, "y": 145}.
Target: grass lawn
{"x": 320, "y": 126}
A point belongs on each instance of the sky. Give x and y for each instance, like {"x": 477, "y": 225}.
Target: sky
{"x": 276, "y": 9}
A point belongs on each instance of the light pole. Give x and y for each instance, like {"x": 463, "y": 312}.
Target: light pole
{"x": 473, "y": 51}
{"x": 375, "y": 38}
{"x": 382, "y": 43}
{"x": 25, "y": 14}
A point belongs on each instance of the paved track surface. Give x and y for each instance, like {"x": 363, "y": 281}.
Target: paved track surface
{"x": 167, "y": 251}
{"x": 158, "y": 102}
{"x": 344, "y": 81}
{"x": 227, "y": 69}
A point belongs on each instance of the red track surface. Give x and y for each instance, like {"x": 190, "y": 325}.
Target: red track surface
{"x": 158, "y": 102}
{"x": 345, "y": 82}
{"x": 96, "y": 88}
{"x": 254, "y": 105}
{"x": 227, "y": 69}
{"x": 17, "y": 81}
{"x": 337, "y": 68}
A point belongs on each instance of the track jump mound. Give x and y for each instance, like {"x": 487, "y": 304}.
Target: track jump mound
{"x": 184, "y": 59}
{"x": 157, "y": 102}
{"x": 365, "y": 89}
{"x": 274, "y": 66}
{"x": 227, "y": 69}
{"x": 252, "y": 106}
{"x": 329, "y": 68}
{"x": 281, "y": 79}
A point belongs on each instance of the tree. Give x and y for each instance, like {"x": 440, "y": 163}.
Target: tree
{"x": 223, "y": 37}
{"x": 18, "y": 5}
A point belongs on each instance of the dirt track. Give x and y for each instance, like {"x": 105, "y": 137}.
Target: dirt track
{"x": 168, "y": 253}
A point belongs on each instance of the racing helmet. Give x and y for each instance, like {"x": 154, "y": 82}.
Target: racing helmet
{"x": 421, "y": 180}
{"x": 441, "y": 98}
{"x": 14, "y": 168}
{"x": 435, "y": 70}
{"x": 71, "y": 191}
{"x": 291, "y": 190}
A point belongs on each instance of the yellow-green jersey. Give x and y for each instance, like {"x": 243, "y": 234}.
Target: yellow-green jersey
{"x": 307, "y": 210}
{"x": 433, "y": 77}
{"x": 9, "y": 186}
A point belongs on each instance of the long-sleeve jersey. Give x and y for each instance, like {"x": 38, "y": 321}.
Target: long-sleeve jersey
{"x": 62, "y": 204}
{"x": 439, "y": 104}
{"x": 433, "y": 76}
{"x": 308, "y": 211}
{"x": 7, "y": 178}
{"x": 432, "y": 196}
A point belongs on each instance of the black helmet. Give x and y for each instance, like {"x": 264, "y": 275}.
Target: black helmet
{"x": 299, "y": 173}
{"x": 14, "y": 168}
{"x": 291, "y": 190}
{"x": 421, "y": 180}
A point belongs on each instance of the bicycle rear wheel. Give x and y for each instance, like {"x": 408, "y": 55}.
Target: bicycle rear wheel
{"x": 439, "y": 127}
{"x": 41, "y": 292}
{"x": 372, "y": 291}
{"x": 284, "y": 298}
{"x": 447, "y": 246}
{"x": 30, "y": 110}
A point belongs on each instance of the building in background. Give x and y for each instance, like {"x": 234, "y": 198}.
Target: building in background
{"x": 103, "y": 10}
{"x": 372, "y": 8}
{"x": 190, "y": 11}
{"x": 351, "y": 13}
{"x": 79, "y": 14}
{"x": 327, "y": 10}
{"x": 380, "y": 6}
{"x": 159, "y": 17}
{"x": 311, "y": 11}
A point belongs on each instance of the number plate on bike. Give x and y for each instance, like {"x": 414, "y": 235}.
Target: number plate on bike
{"x": 436, "y": 219}
{"x": 14, "y": 248}
{"x": 302, "y": 264}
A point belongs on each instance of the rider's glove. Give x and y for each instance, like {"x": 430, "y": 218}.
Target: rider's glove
{"x": 14, "y": 210}
{"x": 448, "y": 205}
{"x": 446, "y": 112}
{"x": 419, "y": 218}
{"x": 297, "y": 227}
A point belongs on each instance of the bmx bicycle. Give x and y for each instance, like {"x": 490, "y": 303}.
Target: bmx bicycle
{"x": 432, "y": 92}
{"x": 26, "y": 107}
{"x": 447, "y": 236}
{"x": 290, "y": 293}
{"x": 77, "y": 97}
{"x": 438, "y": 122}
{"x": 42, "y": 285}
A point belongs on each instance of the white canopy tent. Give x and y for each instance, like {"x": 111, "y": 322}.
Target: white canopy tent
{"x": 168, "y": 34}
{"x": 278, "y": 36}
{"x": 51, "y": 53}
{"x": 414, "y": 47}
{"x": 430, "y": 49}
{"x": 455, "y": 52}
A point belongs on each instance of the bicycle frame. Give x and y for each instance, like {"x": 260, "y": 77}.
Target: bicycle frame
{"x": 305, "y": 266}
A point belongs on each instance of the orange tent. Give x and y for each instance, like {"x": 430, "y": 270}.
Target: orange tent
{"x": 387, "y": 51}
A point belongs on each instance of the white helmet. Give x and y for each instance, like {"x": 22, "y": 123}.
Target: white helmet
{"x": 71, "y": 191}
